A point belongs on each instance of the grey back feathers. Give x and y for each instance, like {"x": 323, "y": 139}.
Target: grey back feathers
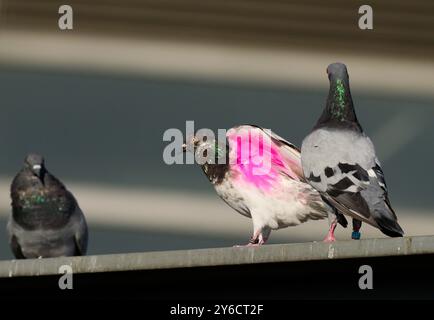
{"x": 339, "y": 160}
{"x": 46, "y": 220}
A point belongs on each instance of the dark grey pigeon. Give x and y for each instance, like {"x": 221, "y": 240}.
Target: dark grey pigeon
{"x": 46, "y": 220}
{"x": 339, "y": 160}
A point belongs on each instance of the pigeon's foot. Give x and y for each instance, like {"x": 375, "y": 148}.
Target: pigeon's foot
{"x": 355, "y": 235}
{"x": 249, "y": 245}
{"x": 329, "y": 238}
{"x": 261, "y": 242}
{"x": 255, "y": 241}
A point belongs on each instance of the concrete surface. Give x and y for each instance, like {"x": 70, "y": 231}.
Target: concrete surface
{"x": 311, "y": 251}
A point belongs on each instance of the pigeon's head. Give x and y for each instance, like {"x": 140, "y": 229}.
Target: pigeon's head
{"x": 36, "y": 164}
{"x": 337, "y": 71}
{"x": 204, "y": 148}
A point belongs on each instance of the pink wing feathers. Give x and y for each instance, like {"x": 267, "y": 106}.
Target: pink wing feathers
{"x": 261, "y": 158}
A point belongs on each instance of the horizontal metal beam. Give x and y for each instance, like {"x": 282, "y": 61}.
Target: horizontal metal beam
{"x": 312, "y": 251}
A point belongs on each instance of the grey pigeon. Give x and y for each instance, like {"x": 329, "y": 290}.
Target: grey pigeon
{"x": 46, "y": 220}
{"x": 339, "y": 160}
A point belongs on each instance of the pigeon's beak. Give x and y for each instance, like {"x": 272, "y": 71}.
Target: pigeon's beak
{"x": 191, "y": 145}
{"x": 37, "y": 168}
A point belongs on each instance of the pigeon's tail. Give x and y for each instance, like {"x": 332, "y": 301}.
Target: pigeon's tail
{"x": 391, "y": 229}
{"x": 388, "y": 224}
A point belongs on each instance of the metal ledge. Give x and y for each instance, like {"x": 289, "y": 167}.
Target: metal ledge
{"x": 311, "y": 251}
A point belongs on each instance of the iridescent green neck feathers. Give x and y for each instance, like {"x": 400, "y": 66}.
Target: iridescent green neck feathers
{"x": 339, "y": 103}
{"x": 339, "y": 111}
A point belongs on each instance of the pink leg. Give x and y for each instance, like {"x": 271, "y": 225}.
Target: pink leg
{"x": 331, "y": 234}
{"x": 254, "y": 241}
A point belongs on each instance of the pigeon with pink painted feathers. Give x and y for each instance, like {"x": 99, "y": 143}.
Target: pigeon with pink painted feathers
{"x": 259, "y": 175}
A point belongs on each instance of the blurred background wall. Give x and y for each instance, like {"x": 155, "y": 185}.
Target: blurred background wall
{"x": 96, "y": 100}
